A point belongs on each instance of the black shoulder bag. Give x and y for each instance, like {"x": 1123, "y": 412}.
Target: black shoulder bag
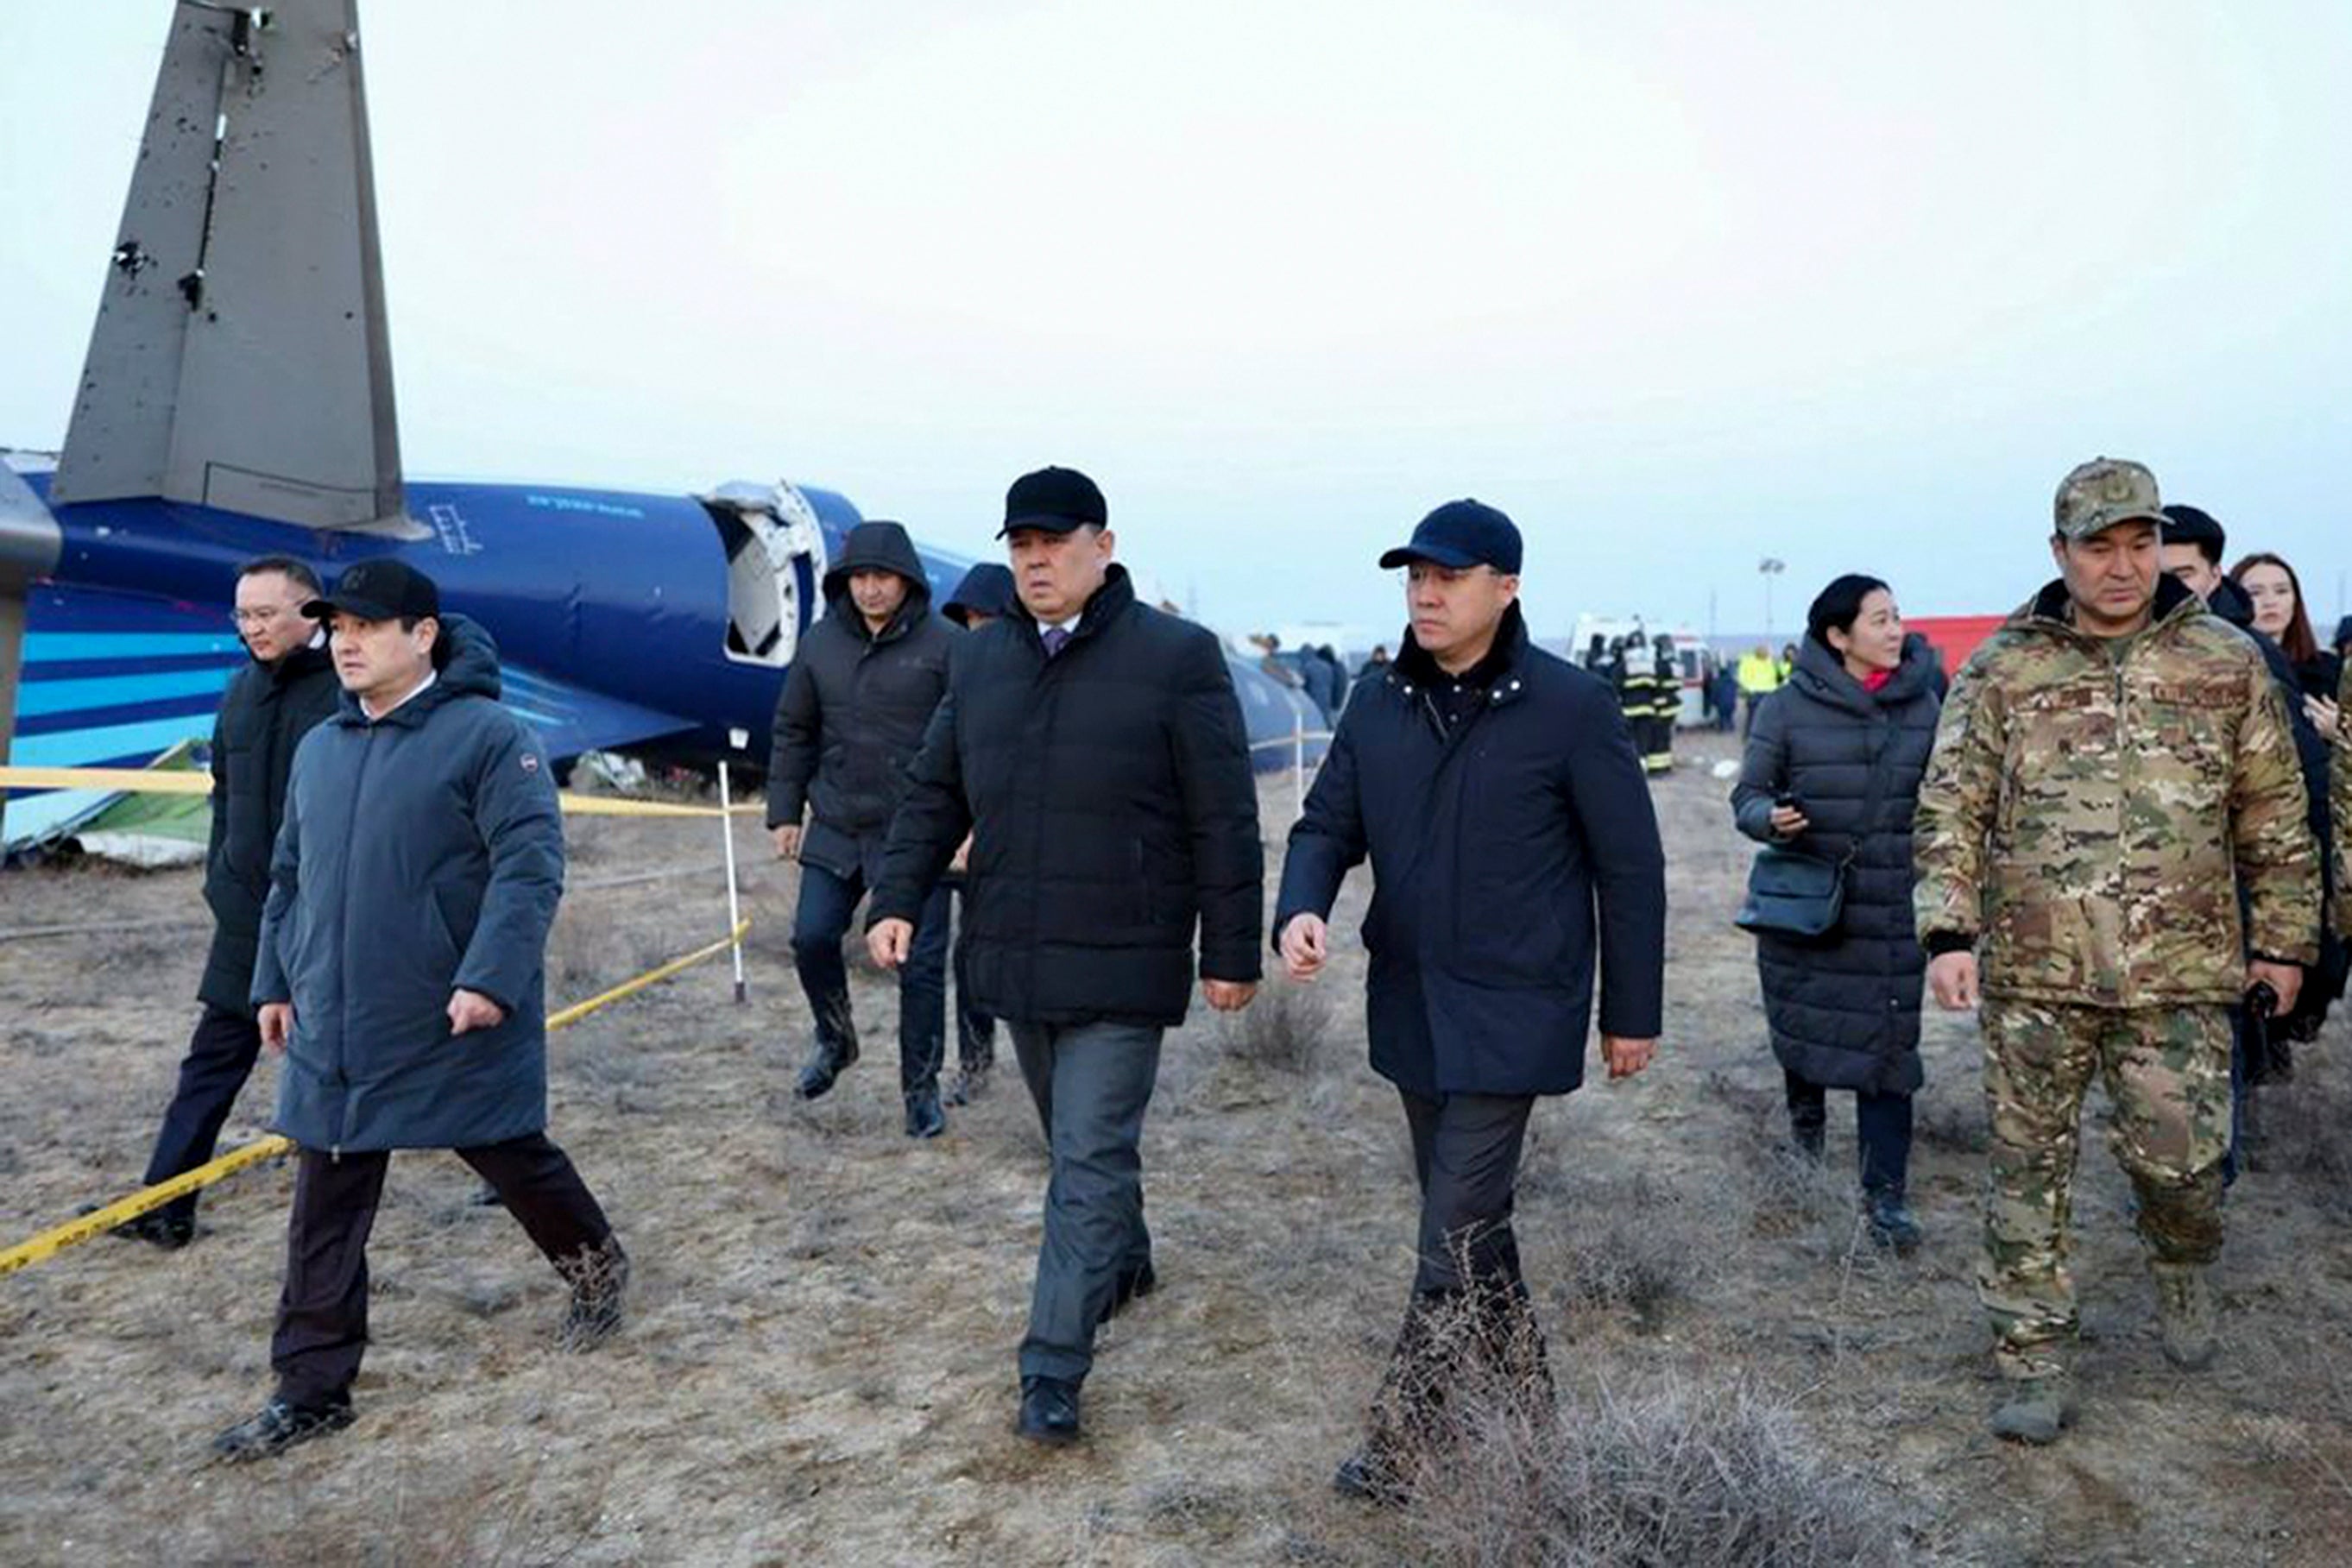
{"x": 1791, "y": 894}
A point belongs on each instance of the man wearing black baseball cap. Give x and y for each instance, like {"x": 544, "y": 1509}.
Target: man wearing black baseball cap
{"x": 1093, "y": 748}
{"x": 1497, "y": 793}
{"x": 401, "y": 971}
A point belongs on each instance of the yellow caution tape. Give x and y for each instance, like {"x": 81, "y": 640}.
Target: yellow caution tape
{"x": 113, "y": 781}
{"x": 615, "y": 806}
{"x": 191, "y": 781}
{"x": 579, "y": 1010}
{"x": 98, "y": 1221}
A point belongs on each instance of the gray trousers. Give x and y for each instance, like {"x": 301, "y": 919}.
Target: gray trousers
{"x": 1092, "y": 1083}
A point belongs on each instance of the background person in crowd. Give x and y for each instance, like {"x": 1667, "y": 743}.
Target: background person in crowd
{"x": 1093, "y": 749}
{"x": 1832, "y": 769}
{"x": 2193, "y": 544}
{"x": 401, "y": 968}
{"x": 1723, "y": 690}
{"x": 984, "y": 597}
{"x": 861, "y": 690}
{"x": 2276, "y": 594}
{"x": 286, "y": 687}
{"x": 1376, "y": 663}
{"x": 1759, "y": 677}
{"x": 1656, "y": 738}
{"x": 2113, "y": 766}
{"x": 1503, "y": 806}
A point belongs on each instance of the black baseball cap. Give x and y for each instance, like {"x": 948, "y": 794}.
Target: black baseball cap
{"x": 381, "y": 589}
{"x": 1056, "y": 500}
{"x": 1461, "y": 534}
{"x": 2185, "y": 524}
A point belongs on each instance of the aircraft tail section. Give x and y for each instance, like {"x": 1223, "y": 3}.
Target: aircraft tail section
{"x": 240, "y": 358}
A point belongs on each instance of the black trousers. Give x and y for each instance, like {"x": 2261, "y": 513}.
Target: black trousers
{"x": 1881, "y": 1129}
{"x": 1470, "y": 1302}
{"x": 1465, "y": 1155}
{"x": 220, "y": 1059}
{"x": 975, "y": 1030}
{"x": 323, "y": 1306}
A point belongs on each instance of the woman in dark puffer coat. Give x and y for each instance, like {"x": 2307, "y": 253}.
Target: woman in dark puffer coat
{"x": 1831, "y": 769}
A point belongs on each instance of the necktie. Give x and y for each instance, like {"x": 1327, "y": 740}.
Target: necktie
{"x": 1055, "y": 639}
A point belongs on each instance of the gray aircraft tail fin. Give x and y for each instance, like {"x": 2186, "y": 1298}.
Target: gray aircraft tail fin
{"x": 240, "y": 358}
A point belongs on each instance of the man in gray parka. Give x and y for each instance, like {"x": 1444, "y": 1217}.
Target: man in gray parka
{"x": 401, "y": 972}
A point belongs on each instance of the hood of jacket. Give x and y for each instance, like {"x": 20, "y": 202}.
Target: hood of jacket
{"x": 469, "y": 667}
{"x": 2230, "y": 603}
{"x": 986, "y": 589}
{"x": 2047, "y": 610}
{"x": 878, "y": 546}
{"x": 305, "y": 660}
{"x": 1821, "y": 674}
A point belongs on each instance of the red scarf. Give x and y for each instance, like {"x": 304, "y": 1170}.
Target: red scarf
{"x": 1876, "y": 679}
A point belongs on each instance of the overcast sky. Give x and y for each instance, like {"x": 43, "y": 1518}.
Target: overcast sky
{"x": 1676, "y": 286}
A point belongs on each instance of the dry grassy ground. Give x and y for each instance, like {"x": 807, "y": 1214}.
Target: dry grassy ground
{"x": 818, "y": 1368}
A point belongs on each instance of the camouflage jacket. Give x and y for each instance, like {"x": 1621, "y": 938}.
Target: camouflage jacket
{"x": 2339, "y": 785}
{"x": 2089, "y": 823}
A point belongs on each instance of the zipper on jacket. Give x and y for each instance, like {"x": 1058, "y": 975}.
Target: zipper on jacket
{"x": 350, "y": 830}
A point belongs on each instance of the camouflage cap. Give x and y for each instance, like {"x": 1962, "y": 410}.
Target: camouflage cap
{"x": 2106, "y": 491}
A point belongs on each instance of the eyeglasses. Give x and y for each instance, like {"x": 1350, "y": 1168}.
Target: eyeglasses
{"x": 241, "y": 619}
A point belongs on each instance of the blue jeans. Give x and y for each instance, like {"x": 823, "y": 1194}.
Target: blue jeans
{"x": 827, "y": 901}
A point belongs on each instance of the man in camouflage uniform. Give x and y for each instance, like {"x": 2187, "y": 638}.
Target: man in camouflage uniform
{"x": 2112, "y": 764}
{"x": 2339, "y": 773}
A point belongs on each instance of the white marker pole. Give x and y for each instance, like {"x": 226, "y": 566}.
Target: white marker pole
{"x": 726, "y": 836}
{"x": 1298, "y": 763}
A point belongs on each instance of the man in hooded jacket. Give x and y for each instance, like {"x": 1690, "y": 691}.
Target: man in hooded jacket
{"x": 862, "y": 689}
{"x": 402, "y": 971}
{"x": 271, "y": 705}
{"x": 985, "y": 595}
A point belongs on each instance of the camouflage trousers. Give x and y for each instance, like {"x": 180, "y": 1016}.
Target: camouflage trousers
{"x": 2167, "y": 1072}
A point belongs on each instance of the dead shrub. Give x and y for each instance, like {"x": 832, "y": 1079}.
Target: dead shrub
{"x": 1687, "y": 1473}
{"x": 1283, "y": 1030}
{"x": 1637, "y": 1245}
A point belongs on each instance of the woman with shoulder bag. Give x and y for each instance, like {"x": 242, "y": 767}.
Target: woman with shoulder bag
{"x": 1829, "y": 783}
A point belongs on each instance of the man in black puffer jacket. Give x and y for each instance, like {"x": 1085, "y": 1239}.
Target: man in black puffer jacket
{"x": 1093, "y": 748}
{"x": 1497, "y": 792}
{"x": 271, "y": 705}
{"x": 862, "y": 689}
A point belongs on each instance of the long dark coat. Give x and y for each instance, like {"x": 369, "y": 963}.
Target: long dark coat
{"x": 1504, "y": 853}
{"x": 263, "y": 715}
{"x": 1112, "y": 810}
{"x": 855, "y": 707}
{"x": 1844, "y": 1012}
{"x": 423, "y": 853}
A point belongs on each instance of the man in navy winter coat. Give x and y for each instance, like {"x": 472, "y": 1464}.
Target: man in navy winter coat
{"x": 401, "y": 972}
{"x": 985, "y": 595}
{"x": 1503, "y": 806}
